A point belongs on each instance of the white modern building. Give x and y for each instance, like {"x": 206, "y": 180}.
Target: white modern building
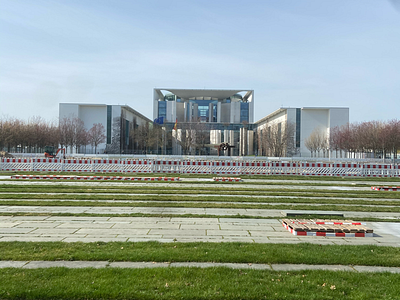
{"x": 209, "y": 106}
{"x": 119, "y": 122}
{"x": 226, "y": 115}
{"x": 300, "y": 123}
{"x": 197, "y": 121}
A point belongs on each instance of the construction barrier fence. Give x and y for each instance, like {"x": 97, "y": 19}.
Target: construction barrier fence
{"x": 193, "y": 166}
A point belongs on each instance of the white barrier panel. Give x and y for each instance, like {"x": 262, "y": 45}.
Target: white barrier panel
{"x": 345, "y": 170}
{"x": 46, "y": 164}
{"x": 107, "y": 165}
{"x": 255, "y": 168}
{"x": 377, "y": 170}
{"x": 188, "y": 166}
{"x": 166, "y": 166}
{"x": 226, "y": 167}
{"x": 195, "y": 167}
{"x": 77, "y": 165}
{"x": 283, "y": 168}
{"x": 315, "y": 169}
{"x": 16, "y": 164}
{"x": 137, "y": 166}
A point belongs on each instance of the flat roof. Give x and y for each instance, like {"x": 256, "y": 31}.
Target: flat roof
{"x": 190, "y": 93}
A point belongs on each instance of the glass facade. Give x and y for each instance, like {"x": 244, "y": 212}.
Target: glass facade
{"x": 162, "y": 109}
{"x": 126, "y": 132}
{"x": 298, "y": 120}
{"x": 244, "y": 112}
{"x": 204, "y": 110}
{"x": 109, "y": 123}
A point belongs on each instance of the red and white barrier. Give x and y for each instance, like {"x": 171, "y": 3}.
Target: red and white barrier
{"x": 166, "y": 166}
{"x": 195, "y": 167}
{"x": 378, "y": 170}
{"x": 226, "y": 167}
{"x": 117, "y": 178}
{"x": 227, "y": 179}
{"x": 137, "y": 166}
{"x": 339, "y": 230}
{"x": 188, "y": 166}
{"x": 255, "y": 168}
{"x": 386, "y": 188}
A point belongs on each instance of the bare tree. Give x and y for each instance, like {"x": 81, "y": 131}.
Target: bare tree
{"x": 80, "y": 134}
{"x": 278, "y": 140}
{"x": 316, "y": 142}
{"x": 115, "y": 146}
{"x": 96, "y": 135}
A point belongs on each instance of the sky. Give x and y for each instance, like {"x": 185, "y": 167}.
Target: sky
{"x": 292, "y": 53}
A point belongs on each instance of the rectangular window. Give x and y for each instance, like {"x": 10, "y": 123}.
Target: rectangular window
{"x": 298, "y": 120}
{"x": 244, "y": 112}
{"x": 109, "y": 122}
{"x": 162, "y": 109}
{"x": 126, "y": 132}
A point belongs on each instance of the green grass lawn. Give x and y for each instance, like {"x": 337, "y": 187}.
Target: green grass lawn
{"x": 194, "y": 283}
{"x": 204, "y": 252}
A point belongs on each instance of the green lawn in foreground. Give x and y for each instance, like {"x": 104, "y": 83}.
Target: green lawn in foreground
{"x": 203, "y": 252}
{"x": 194, "y": 283}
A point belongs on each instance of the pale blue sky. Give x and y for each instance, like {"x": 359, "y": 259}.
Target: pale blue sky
{"x": 292, "y": 53}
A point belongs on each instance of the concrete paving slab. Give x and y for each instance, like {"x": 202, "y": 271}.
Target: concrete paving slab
{"x": 15, "y": 230}
{"x": 198, "y": 239}
{"x": 30, "y": 239}
{"x": 377, "y": 269}
{"x": 238, "y": 239}
{"x": 195, "y": 220}
{"x": 93, "y": 240}
{"x": 179, "y": 232}
{"x": 12, "y": 264}
{"x": 29, "y": 218}
{"x": 54, "y": 230}
{"x": 147, "y": 239}
{"x": 66, "y": 264}
{"x": 200, "y": 226}
{"x": 79, "y": 219}
{"x": 298, "y": 267}
{"x": 9, "y": 225}
{"x": 38, "y": 224}
{"x": 258, "y": 233}
{"x": 76, "y": 225}
{"x": 225, "y": 233}
{"x": 112, "y": 231}
{"x": 139, "y": 265}
{"x": 140, "y": 225}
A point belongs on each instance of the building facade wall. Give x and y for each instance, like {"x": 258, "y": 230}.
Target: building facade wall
{"x": 303, "y": 121}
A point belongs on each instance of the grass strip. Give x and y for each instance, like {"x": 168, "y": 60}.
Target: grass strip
{"x": 199, "y": 204}
{"x": 197, "y": 198}
{"x": 303, "y": 216}
{"x": 194, "y": 283}
{"x": 203, "y": 252}
{"x": 197, "y": 190}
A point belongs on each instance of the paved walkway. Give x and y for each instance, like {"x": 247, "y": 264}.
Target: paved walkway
{"x": 175, "y": 229}
{"x": 141, "y": 265}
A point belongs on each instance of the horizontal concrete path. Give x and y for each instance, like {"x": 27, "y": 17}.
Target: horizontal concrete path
{"x": 175, "y": 229}
{"x": 141, "y": 265}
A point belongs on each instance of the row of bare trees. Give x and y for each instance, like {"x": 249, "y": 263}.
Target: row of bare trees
{"x": 277, "y": 140}
{"x": 375, "y": 138}
{"x": 32, "y": 136}
{"x": 73, "y": 134}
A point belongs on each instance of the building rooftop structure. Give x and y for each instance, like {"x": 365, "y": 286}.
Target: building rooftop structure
{"x": 201, "y": 105}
